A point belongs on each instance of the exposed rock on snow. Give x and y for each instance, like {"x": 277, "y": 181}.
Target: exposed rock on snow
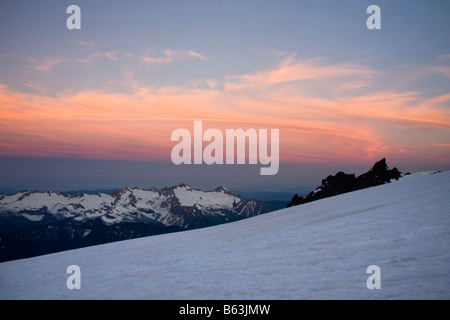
{"x": 343, "y": 182}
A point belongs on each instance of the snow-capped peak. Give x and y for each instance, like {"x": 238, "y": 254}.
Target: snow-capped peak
{"x": 175, "y": 206}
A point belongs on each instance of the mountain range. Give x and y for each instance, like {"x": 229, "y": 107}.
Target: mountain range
{"x": 34, "y": 223}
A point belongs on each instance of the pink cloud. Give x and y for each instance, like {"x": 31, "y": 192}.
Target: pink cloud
{"x": 112, "y": 55}
{"x": 313, "y": 126}
{"x": 291, "y": 69}
{"x": 197, "y": 55}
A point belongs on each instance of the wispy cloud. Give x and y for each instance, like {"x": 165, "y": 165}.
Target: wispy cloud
{"x": 355, "y": 85}
{"x": 37, "y": 86}
{"x": 443, "y": 57}
{"x": 323, "y": 110}
{"x": 444, "y": 70}
{"x": 87, "y": 44}
{"x": 292, "y": 69}
{"x": 112, "y": 55}
{"x": 91, "y": 57}
{"x": 48, "y": 64}
{"x": 197, "y": 55}
{"x": 166, "y": 57}
{"x": 169, "y": 56}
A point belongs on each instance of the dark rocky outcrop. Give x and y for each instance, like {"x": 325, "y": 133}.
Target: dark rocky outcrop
{"x": 343, "y": 182}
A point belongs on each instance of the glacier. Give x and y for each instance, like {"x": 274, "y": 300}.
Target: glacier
{"x": 318, "y": 250}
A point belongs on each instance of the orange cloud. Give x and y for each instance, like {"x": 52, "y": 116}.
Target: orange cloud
{"x": 313, "y": 126}
{"x": 292, "y": 69}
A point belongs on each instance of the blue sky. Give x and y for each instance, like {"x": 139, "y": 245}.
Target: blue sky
{"x": 342, "y": 96}
{"x": 237, "y": 37}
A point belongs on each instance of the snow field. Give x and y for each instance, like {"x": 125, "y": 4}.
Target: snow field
{"x": 319, "y": 250}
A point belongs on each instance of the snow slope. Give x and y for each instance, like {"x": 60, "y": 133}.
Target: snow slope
{"x": 319, "y": 250}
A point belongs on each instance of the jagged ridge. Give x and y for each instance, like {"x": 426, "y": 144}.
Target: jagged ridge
{"x": 41, "y": 222}
{"x": 343, "y": 182}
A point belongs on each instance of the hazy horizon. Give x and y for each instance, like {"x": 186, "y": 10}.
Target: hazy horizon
{"x": 66, "y": 175}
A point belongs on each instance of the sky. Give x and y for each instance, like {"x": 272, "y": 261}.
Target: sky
{"x": 95, "y": 107}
